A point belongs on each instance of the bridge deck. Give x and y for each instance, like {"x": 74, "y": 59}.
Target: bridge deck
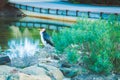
{"x": 74, "y": 7}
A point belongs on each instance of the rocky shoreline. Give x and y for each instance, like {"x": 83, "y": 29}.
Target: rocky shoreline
{"x": 51, "y": 67}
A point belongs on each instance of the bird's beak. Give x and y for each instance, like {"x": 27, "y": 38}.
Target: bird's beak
{"x": 41, "y": 29}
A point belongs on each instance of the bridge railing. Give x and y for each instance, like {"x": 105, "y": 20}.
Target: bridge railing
{"x": 77, "y": 13}
{"x": 39, "y": 25}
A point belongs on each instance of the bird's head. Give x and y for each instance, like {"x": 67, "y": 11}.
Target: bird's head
{"x": 42, "y": 30}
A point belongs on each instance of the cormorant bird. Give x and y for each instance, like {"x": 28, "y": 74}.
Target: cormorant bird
{"x": 45, "y": 38}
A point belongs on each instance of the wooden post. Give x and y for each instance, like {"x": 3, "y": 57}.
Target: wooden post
{"x": 33, "y": 24}
{"x": 33, "y": 9}
{"x": 56, "y": 11}
{"x": 66, "y": 12}
{"x": 20, "y": 23}
{"x": 19, "y": 6}
{"x": 48, "y": 10}
{"x": 57, "y": 28}
{"x": 88, "y": 14}
{"x": 101, "y": 15}
{"x": 77, "y": 13}
{"x": 26, "y": 7}
{"x": 26, "y": 24}
{"x": 40, "y": 10}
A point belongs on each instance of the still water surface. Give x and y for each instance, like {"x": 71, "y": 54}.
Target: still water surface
{"x": 14, "y": 31}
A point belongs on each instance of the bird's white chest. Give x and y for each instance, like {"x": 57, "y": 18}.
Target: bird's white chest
{"x": 42, "y": 40}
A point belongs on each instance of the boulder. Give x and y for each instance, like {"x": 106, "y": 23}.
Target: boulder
{"x": 70, "y": 72}
{"x": 36, "y": 72}
{"x": 4, "y": 59}
{"x": 6, "y": 69}
{"x": 23, "y": 76}
{"x": 44, "y": 70}
{"x": 52, "y": 71}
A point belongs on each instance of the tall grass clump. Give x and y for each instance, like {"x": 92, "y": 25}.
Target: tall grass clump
{"x": 94, "y": 42}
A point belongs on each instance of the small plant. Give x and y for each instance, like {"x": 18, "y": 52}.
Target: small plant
{"x": 23, "y": 52}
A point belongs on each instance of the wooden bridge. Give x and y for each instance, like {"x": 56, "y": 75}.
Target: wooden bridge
{"x": 66, "y": 12}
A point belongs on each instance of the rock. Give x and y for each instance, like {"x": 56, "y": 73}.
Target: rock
{"x": 44, "y": 70}
{"x": 4, "y": 59}
{"x": 65, "y": 64}
{"x": 8, "y": 73}
{"x": 49, "y": 61}
{"x": 70, "y": 72}
{"x": 6, "y": 69}
{"x": 23, "y": 76}
{"x": 34, "y": 70}
{"x": 52, "y": 71}
{"x": 2, "y": 77}
{"x": 95, "y": 77}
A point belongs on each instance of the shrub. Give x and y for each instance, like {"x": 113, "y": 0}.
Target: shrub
{"x": 22, "y": 52}
{"x": 115, "y": 40}
{"x": 72, "y": 54}
{"x": 108, "y": 2}
{"x": 98, "y": 63}
{"x": 98, "y": 40}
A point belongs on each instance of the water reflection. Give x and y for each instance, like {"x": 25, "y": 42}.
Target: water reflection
{"x": 13, "y": 32}
{"x": 19, "y": 48}
{"x": 10, "y": 31}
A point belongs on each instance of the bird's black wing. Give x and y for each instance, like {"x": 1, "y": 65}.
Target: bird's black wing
{"x": 47, "y": 38}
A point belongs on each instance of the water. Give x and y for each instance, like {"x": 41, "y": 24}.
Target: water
{"x": 12, "y": 33}
{"x": 11, "y": 30}
{"x": 20, "y": 38}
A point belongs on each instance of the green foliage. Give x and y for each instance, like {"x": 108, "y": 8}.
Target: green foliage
{"x": 72, "y": 55}
{"x": 115, "y": 40}
{"x": 98, "y": 63}
{"x": 99, "y": 40}
{"x": 108, "y": 2}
